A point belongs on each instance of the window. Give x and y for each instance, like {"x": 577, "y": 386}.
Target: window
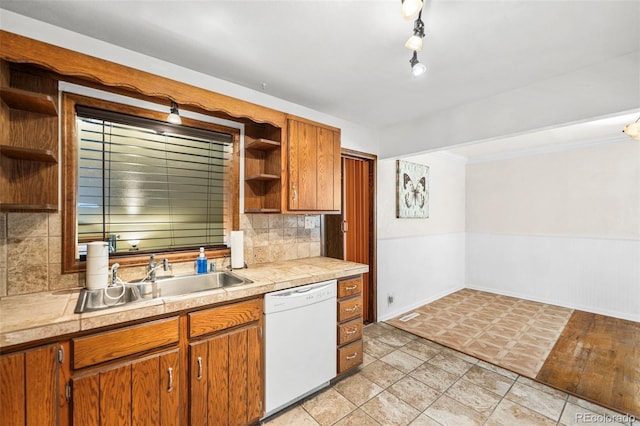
{"x": 145, "y": 185}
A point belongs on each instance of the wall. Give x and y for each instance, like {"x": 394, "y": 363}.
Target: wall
{"x": 421, "y": 260}
{"x": 562, "y": 227}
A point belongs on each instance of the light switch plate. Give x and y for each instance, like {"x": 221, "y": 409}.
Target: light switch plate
{"x": 309, "y": 222}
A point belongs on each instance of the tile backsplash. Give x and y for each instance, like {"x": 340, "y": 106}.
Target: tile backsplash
{"x": 30, "y": 248}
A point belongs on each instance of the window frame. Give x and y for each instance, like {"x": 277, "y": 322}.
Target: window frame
{"x": 70, "y": 264}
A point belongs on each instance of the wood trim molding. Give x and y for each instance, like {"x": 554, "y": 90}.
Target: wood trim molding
{"x": 66, "y": 62}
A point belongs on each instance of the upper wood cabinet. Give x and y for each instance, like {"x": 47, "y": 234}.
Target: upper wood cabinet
{"x": 313, "y": 161}
{"x": 28, "y": 140}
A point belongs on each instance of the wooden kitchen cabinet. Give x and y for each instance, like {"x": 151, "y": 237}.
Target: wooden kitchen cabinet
{"x": 349, "y": 324}
{"x": 262, "y": 170}
{"x": 140, "y": 392}
{"x": 128, "y": 376}
{"x": 29, "y": 392}
{"x": 226, "y": 365}
{"x": 28, "y": 140}
{"x": 313, "y": 161}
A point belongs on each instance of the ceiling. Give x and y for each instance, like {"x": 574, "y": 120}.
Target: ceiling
{"x": 347, "y": 58}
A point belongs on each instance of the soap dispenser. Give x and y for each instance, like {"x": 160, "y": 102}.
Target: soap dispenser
{"x": 201, "y": 262}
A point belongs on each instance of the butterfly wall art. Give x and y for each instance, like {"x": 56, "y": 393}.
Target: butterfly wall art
{"x": 412, "y": 193}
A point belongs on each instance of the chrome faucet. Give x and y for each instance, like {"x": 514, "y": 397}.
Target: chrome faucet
{"x": 114, "y": 273}
{"x": 153, "y": 266}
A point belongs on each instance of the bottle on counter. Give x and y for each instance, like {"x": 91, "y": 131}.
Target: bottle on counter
{"x": 201, "y": 262}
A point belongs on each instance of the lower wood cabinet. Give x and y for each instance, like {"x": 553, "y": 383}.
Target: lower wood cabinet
{"x": 140, "y": 392}
{"x": 29, "y": 387}
{"x": 350, "y": 325}
{"x": 226, "y": 365}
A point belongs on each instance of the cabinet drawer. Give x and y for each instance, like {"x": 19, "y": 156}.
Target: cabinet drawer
{"x": 349, "y": 308}
{"x": 349, "y": 356}
{"x": 349, "y": 331}
{"x": 110, "y": 345}
{"x": 349, "y": 287}
{"x": 216, "y": 319}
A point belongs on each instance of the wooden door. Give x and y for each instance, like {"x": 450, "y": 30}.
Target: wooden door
{"x": 28, "y": 387}
{"x": 142, "y": 392}
{"x": 328, "y": 171}
{"x": 226, "y": 379}
{"x": 351, "y": 235}
{"x": 302, "y": 165}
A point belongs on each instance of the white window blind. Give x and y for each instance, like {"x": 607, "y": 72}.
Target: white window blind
{"x": 146, "y": 185}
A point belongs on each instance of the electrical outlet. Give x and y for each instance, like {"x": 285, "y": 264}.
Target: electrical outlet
{"x": 309, "y": 222}
{"x": 390, "y": 299}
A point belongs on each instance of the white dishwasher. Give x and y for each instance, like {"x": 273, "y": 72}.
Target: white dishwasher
{"x": 300, "y": 342}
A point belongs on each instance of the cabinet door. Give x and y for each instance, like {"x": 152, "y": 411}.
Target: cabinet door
{"x": 142, "y": 392}
{"x": 226, "y": 378}
{"x": 302, "y": 165}
{"x": 28, "y": 387}
{"x": 328, "y": 170}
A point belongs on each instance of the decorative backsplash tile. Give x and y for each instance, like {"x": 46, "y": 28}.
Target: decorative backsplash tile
{"x": 30, "y": 249}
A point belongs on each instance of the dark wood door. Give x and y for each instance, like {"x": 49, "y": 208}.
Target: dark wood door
{"x": 351, "y": 235}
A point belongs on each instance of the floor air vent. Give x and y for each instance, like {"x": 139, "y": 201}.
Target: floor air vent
{"x": 409, "y": 317}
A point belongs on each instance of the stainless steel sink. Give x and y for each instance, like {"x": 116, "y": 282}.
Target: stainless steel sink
{"x": 93, "y": 300}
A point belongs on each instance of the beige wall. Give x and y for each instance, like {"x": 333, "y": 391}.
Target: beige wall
{"x": 30, "y": 260}
{"x": 446, "y": 198}
{"x": 592, "y": 191}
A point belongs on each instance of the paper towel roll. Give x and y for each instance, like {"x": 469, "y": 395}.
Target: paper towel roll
{"x": 237, "y": 249}
{"x": 97, "y": 265}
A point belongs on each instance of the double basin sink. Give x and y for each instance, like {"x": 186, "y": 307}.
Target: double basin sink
{"x": 94, "y": 300}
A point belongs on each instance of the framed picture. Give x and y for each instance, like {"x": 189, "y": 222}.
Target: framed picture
{"x": 412, "y": 190}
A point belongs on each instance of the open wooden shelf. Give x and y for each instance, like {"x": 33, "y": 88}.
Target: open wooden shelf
{"x": 29, "y": 101}
{"x": 261, "y": 144}
{"x": 261, "y": 177}
{"x": 30, "y": 154}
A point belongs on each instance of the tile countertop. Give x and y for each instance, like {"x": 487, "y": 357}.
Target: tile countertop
{"x": 31, "y": 317}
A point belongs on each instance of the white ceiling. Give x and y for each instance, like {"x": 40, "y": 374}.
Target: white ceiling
{"x": 347, "y": 58}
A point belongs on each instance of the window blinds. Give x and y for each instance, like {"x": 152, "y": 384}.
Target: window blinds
{"x": 146, "y": 185}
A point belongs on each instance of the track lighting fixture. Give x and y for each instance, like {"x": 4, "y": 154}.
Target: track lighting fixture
{"x": 411, "y": 8}
{"x": 633, "y": 130}
{"x": 415, "y": 41}
{"x": 417, "y": 69}
{"x": 174, "y": 115}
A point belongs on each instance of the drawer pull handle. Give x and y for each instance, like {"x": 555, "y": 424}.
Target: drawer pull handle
{"x": 352, "y": 287}
{"x": 355, "y": 308}
{"x": 199, "y": 368}
{"x": 352, "y": 331}
{"x": 350, "y": 357}
{"x": 170, "y": 389}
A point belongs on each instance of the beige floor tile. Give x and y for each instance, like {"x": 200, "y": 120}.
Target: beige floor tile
{"x": 357, "y": 418}
{"x": 381, "y": 373}
{"x": 376, "y": 348}
{"x": 293, "y": 416}
{"x": 499, "y": 370}
{"x": 328, "y": 407}
{"x": 473, "y": 396}
{"x": 449, "y": 412}
{"x": 470, "y": 359}
{"x": 575, "y": 415}
{"x": 420, "y": 349}
{"x": 388, "y": 409}
{"x": 423, "y": 420}
{"x": 357, "y": 388}
{"x": 589, "y": 405}
{"x": 414, "y": 392}
{"x": 537, "y": 400}
{"x": 402, "y": 361}
{"x": 450, "y": 363}
{"x": 367, "y": 359}
{"x": 542, "y": 387}
{"x": 509, "y": 413}
{"x": 433, "y": 376}
{"x": 395, "y": 337}
{"x": 489, "y": 380}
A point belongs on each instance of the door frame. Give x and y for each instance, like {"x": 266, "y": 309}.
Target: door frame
{"x": 373, "y": 269}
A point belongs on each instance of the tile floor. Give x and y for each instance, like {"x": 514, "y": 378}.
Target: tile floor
{"x": 408, "y": 380}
